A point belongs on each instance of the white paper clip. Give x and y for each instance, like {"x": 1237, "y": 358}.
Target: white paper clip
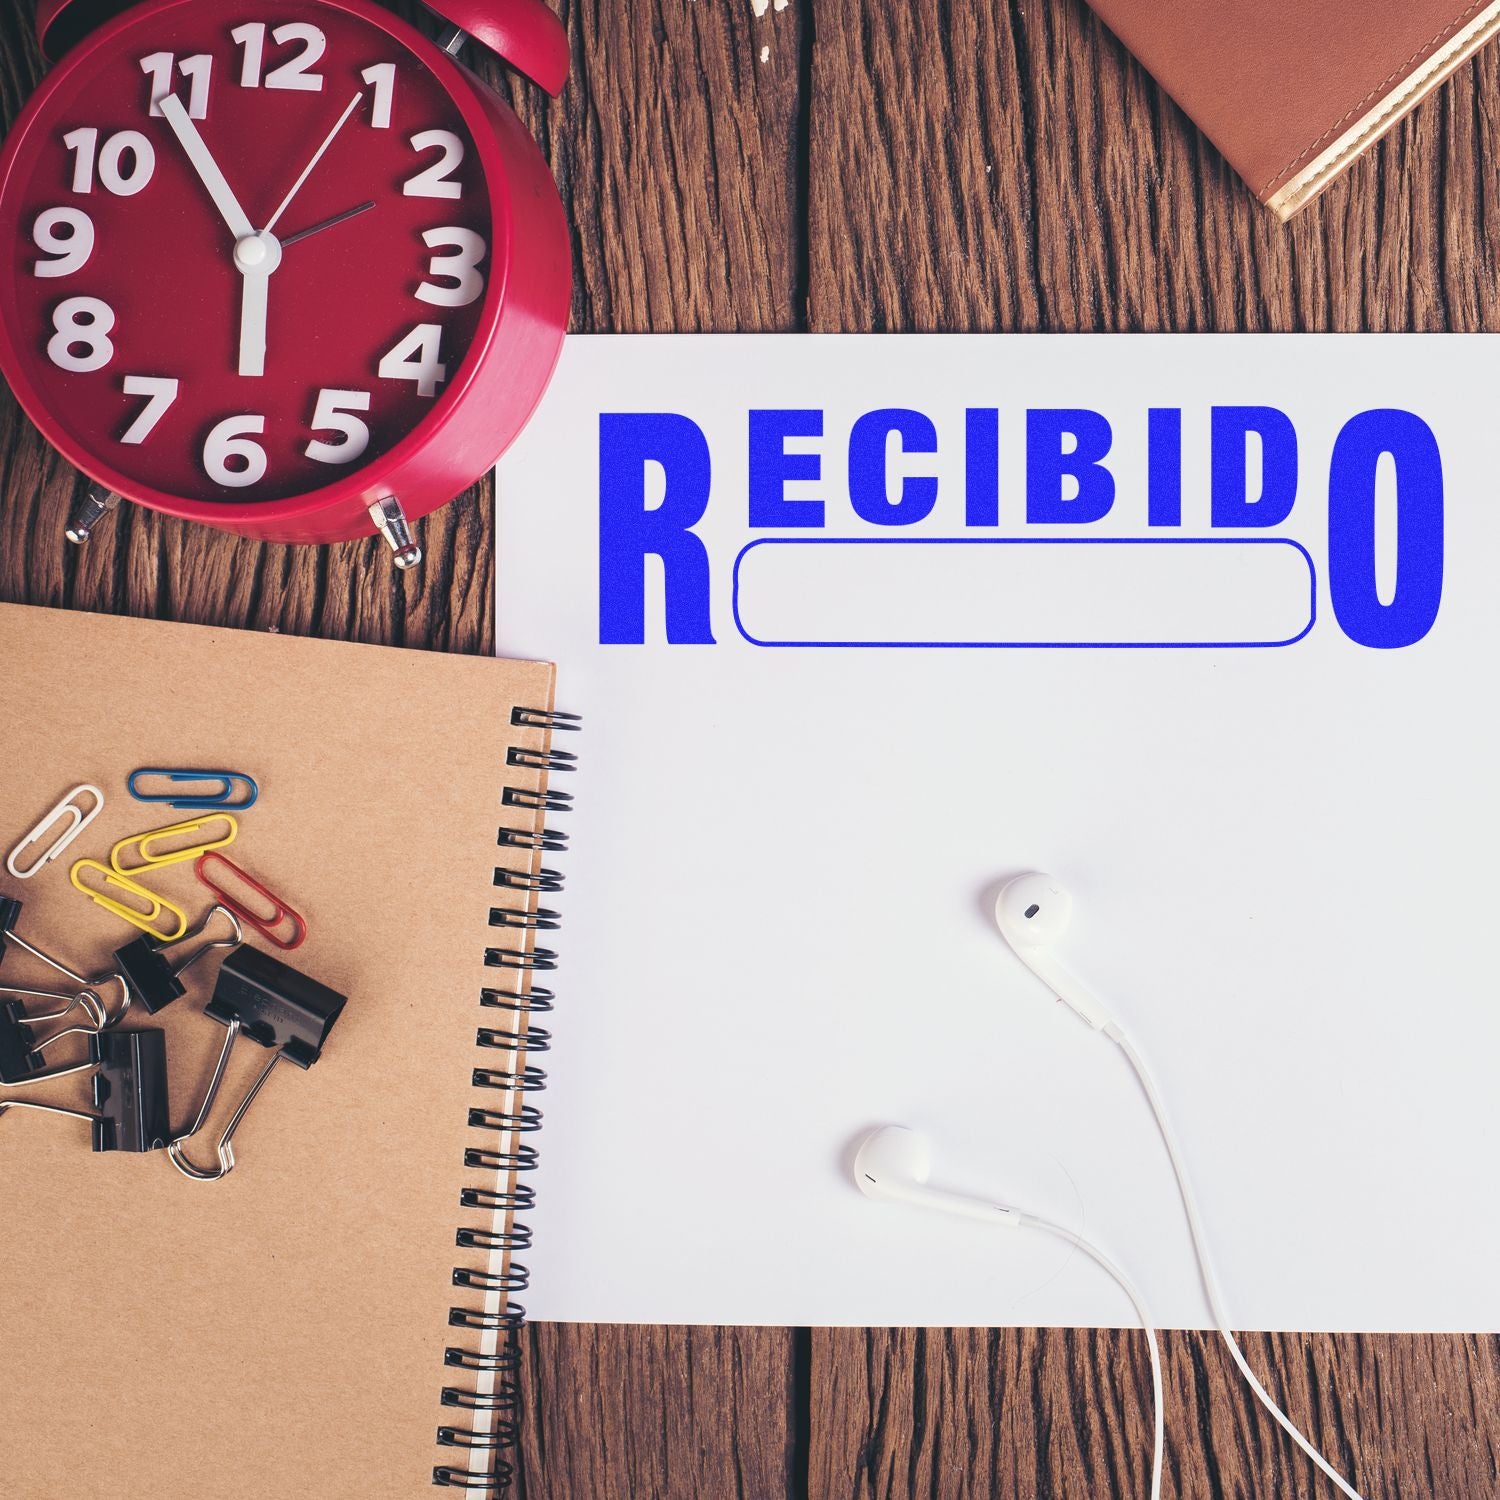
{"x": 78, "y": 820}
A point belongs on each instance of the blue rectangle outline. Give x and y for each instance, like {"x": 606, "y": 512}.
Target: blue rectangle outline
{"x": 1029, "y": 541}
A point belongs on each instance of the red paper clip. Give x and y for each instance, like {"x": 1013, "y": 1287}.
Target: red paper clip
{"x": 267, "y": 925}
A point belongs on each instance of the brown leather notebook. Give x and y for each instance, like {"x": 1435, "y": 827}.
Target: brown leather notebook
{"x": 1293, "y": 91}
{"x": 296, "y": 1328}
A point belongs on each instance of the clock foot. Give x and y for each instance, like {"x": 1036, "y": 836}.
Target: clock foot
{"x": 390, "y": 521}
{"x": 96, "y": 503}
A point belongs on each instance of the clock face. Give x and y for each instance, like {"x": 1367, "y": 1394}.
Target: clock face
{"x": 247, "y": 247}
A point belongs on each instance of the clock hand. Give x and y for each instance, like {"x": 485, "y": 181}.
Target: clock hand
{"x": 349, "y": 109}
{"x": 176, "y": 115}
{"x": 337, "y": 219}
{"x": 255, "y": 258}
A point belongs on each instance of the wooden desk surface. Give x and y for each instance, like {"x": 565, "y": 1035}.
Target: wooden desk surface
{"x": 938, "y": 164}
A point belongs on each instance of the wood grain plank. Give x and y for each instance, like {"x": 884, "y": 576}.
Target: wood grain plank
{"x": 676, "y": 149}
{"x": 617, "y": 1413}
{"x": 986, "y": 166}
{"x": 954, "y": 1415}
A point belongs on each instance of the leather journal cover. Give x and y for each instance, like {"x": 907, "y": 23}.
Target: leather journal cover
{"x": 1293, "y": 91}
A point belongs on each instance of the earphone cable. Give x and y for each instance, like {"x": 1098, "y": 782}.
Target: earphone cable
{"x": 1031, "y": 1221}
{"x": 1205, "y": 1267}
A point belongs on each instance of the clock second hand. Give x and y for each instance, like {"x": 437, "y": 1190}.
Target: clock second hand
{"x": 337, "y": 219}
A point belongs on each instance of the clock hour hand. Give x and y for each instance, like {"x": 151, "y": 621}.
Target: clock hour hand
{"x": 197, "y": 152}
{"x": 255, "y": 257}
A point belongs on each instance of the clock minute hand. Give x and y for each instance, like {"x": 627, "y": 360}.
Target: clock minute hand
{"x": 322, "y": 151}
{"x": 197, "y": 152}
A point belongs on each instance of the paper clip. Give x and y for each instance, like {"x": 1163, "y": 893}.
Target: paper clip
{"x": 130, "y": 1091}
{"x": 154, "y": 905}
{"x": 268, "y": 924}
{"x": 149, "y": 976}
{"x": 78, "y": 820}
{"x": 221, "y": 800}
{"x": 144, "y": 842}
{"x": 273, "y": 1004}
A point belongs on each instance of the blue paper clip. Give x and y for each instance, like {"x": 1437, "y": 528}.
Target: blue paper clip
{"x": 221, "y": 799}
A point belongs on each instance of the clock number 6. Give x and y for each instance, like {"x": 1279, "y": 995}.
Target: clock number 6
{"x": 335, "y": 414}
{"x": 82, "y": 323}
{"x": 231, "y": 440}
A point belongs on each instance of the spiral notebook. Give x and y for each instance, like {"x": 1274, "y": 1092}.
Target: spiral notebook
{"x": 336, "y": 1317}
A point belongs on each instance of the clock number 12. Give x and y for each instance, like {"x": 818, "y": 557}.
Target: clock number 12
{"x": 296, "y": 72}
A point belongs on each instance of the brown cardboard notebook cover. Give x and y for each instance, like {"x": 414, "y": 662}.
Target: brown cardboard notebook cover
{"x": 1293, "y": 91}
{"x": 281, "y": 1332}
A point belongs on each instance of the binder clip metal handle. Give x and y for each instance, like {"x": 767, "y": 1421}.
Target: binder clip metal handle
{"x": 224, "y": 1151}
{"x": 20, "y": 1052}
{"x": 10, "y": 913}
{"x": 275, "y": 1006}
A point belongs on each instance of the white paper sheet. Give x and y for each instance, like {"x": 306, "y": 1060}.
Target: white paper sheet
{"x": 784, "y": 858}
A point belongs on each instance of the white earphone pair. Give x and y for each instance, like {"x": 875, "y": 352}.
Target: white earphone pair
{"x": 1033, "y": 912}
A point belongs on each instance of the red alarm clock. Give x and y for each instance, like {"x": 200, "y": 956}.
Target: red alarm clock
{"x": 283, "y": 267}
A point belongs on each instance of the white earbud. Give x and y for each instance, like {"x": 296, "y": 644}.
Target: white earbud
{"x": 1032, "y": 912}
{"x": 894, "y": 1162}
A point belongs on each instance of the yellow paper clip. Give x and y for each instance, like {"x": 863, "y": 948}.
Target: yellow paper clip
{"x": 150, "y": 860}
{"x": 154, "y": 905}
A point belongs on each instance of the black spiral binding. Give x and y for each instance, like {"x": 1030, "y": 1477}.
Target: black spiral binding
{"x": 513, "y": 1075}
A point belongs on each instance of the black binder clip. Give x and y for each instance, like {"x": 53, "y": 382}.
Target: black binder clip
{"x": 155, "y": 980}
{"x": 20, "y": 1053}
{"x": 130, "y": 1091}
{"x": 273, "y": 1004}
